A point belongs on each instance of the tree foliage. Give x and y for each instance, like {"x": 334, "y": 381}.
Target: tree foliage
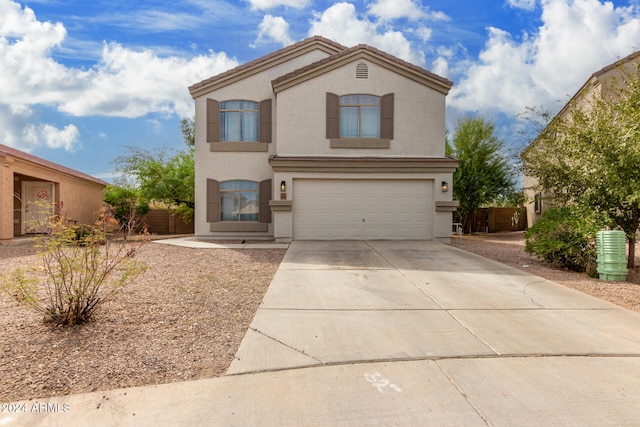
{"x": 162, "y": 175}
{"x": 590, "y": 155}
{"x": 128, "y": 207}
{"x": 484, "y": 173}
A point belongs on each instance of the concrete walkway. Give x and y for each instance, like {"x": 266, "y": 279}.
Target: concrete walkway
{"x": 399, "y": 333}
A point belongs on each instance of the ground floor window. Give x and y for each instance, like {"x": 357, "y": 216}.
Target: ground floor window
{"x": 239, "y": 201}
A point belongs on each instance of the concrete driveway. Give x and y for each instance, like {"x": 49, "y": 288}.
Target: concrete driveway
{"x": 404, "y": 333}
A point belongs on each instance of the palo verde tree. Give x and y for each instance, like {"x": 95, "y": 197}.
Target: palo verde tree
{"x": 161, "y": 175}
{"x": 591, "y": 155}
{"x": 484, "y": 173}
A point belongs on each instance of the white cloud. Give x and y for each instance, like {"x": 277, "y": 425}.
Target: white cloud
{"x": 124, "y": 83}
{"x": 17, "y": 131}
{"x": 394, "y": 9}
{"x": 522, "y": 4}
{"x": 270, "y": 4}
{"x": 423, "y": 33}
{"x": 273, "y": 28}
{"x": 340, "y": 23}
{"x": 131, "y": 84}
{"x": 576, "y": 38}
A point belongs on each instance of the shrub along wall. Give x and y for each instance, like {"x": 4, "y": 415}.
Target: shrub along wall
{"x": 160, "y": 221}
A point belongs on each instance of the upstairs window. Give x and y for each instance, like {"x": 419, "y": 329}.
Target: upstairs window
{"x": 239, "y": 121}
{"x": 239, "y": 201}
{"x": 355, "y": 118}
{"x": 359, "y": 116}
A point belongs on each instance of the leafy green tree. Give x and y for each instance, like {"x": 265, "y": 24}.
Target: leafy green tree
{"x": 128, "y": 207}
{"x": 161, "y": 175}
{"x": 188, "y": 127}
{"x": 590, "y": 155}
{"x": 484, "y": 173}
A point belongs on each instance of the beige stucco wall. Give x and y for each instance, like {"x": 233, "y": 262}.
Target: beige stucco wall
{"x": 419, "y": 122}
{"x": 81, "y": 198}
{"x": 242, "y": 165}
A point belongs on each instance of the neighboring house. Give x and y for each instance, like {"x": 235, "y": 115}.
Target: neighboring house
{"x": 599, "y": 84}
{"x": 25, "y": 178}
{"x": 317, "y": 141}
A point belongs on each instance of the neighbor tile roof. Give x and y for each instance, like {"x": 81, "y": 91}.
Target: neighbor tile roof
{"x": 6, "y": 150}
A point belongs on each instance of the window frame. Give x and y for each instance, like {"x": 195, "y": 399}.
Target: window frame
{"x": 360, "y": 105}
{"x": 213, "y": 208}
{"x": 241, "y": 113}
{"x": 386, "y": 124}
{"x": 214, "y": 128}
{"x": 238, "y": 192}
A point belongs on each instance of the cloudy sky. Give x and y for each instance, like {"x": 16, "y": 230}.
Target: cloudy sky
{"x": 79, "y": 79}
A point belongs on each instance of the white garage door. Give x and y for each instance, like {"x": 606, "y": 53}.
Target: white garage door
{"x": 327, "y": 209}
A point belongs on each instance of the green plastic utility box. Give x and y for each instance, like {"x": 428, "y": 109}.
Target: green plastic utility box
{"x": 611, "y": 246}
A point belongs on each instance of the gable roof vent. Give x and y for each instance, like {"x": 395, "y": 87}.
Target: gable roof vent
{"x": 362, "y": 71}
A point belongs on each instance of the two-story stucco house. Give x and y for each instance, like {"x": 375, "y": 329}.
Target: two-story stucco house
{"x": 318, "y": 141}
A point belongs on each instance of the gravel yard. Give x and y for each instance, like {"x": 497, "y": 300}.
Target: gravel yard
{"x": 185, "y": 316}
{"x": 182, "y": 319}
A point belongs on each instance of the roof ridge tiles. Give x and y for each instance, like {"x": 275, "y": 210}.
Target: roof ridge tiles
{"x": 356, "y": 48}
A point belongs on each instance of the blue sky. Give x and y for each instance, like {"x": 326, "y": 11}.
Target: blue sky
{"x": 80, "y": 80}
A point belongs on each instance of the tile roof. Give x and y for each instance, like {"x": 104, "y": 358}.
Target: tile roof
{"x": 364, "y": 48}
{"x": 616, "y": 64}
{"x": 319, "y": 40}
{"x": 6, "y": 150}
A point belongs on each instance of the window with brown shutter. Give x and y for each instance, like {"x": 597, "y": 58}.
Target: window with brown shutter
{"x": 213, "y": 200}
{"x": 213, "y": 120}
{"x": 265, "y": 196}
{"x": 333, "y": 116}
{"x": 265, "y": 121}
{"x": 239, "y": 125}
{"x": 360, "y": 133}
{"x": 386, "y": 116}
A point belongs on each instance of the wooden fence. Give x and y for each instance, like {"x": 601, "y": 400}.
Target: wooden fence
{"x": 160, "y": 221}
{"x": 493, "y": 220}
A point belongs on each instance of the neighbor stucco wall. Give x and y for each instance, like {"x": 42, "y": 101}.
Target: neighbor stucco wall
{"x": 419, "y": 122}
{"x": 81, "y": 198}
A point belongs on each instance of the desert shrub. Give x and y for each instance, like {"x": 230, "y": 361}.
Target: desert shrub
{"x": 566, "y": 236}
{"x": 80, "y": 269}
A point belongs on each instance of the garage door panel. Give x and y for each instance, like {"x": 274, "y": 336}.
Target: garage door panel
{"x": 335, "y": 209}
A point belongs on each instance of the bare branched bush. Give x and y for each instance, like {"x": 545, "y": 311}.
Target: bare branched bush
{"x": 81, "y": 267}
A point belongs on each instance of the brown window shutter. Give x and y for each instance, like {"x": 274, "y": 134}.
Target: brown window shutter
{"x": 265, "y": 120}
{"x": 264, "y": 214}
{"x": 213, "y": 120}
{"x": 213, "y": 200}
{"x": 333, "y": 116}
{"x": 386, "y": 116}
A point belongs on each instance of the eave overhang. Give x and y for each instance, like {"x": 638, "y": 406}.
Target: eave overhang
{"x": 364, "y": 164}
